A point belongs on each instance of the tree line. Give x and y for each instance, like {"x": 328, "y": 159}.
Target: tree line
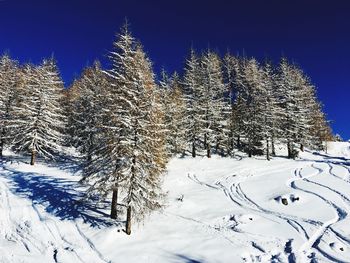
{"x": 126, "y": 125}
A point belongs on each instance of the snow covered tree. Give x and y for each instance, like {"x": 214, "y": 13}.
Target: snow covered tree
{"x": 270, "y": 109}
{"x": 214, "y": 103}
{"x": 252, "y": 96}
{"x": 87, "y": 109}
{"x": 39, "y": 120}
{"x": 192, "y": 89}
{"x": 174, "y": 108}
{"x": 320, "y": 129}
{"x": 133, "y": 158}
{"x": 297, "y": 99}
{"x": 10, "y": 79}
{"x": 234, "y": 80}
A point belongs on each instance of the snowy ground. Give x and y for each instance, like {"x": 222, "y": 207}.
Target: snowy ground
{"x": 232, "y": 211}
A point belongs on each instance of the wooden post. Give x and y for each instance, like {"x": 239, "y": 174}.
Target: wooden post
{"x": 32, "y": 160}
{"x": 128, "y": 221}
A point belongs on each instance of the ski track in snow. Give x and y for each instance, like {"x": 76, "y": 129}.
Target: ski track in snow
{"x": 309, "y": 236}
{"x": 305, "y": 252}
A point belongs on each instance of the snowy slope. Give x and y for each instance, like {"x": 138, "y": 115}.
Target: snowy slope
{"x": 232, "y": 211}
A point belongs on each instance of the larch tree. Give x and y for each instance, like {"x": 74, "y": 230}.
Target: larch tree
{"x": 133, "y": 157}
{"x": 192, "y": 93}
{"x": 174, "y": 107}
{"x": 235, "y": 83}
{"x": 214, "y": 103}
{"x": 39, "y": 120}
{"x": 10, "y": 79}
{"x": 270, "y": 109}
{"x": 87, "y": 109}
{"x": 253, "y": 99}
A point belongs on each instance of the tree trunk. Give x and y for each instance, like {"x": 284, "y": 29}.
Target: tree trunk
{"x": 267, "y": 150}
{"x": 301, "y": 147}
{"x": 1, "y": 147}
{"x": 114, "y": 206}
{"x": 289, "y": 150}
{"x": 128, "y": 221}
{"x": 208, "y": 151}
{"x": 193, "y": 150}
{"x": 238, "y": 142}
{"x": 273, "y": 151}
{"x": 32, "y": 160}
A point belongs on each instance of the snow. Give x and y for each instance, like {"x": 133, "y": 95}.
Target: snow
{"x": 231, "y": 211}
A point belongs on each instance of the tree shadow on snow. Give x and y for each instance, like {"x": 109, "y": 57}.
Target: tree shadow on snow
{"x": 187, "y": 259}
{"x": 60, "y": 197}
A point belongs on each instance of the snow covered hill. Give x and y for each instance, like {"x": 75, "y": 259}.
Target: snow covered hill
{"x": 218, "y": 210}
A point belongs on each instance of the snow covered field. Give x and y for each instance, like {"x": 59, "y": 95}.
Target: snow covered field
{"x": 232, "y": 210}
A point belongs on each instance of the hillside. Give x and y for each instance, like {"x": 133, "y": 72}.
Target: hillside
{"x": 217, "y": 210}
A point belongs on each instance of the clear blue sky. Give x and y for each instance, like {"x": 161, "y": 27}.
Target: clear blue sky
{"x": 314, "y": 33}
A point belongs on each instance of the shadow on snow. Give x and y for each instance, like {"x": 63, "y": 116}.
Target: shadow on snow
{"x": 60, "y": 197}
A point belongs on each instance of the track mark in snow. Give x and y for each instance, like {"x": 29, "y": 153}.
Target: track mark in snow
{"x": 340, "y": 213}
{"x": 256, "y": 246}
{"x": 91, "y": 244}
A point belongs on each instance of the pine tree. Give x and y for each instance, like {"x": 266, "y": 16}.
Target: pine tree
{"x": 39, "y": 120}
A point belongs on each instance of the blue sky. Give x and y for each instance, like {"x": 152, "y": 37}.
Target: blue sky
{"x": 315, "y": 34}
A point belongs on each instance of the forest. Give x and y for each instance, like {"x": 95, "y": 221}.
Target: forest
{"x": 126, "y": 122}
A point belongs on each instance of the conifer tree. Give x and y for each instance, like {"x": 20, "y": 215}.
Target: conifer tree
{"x": 235, "y": 81}
{"x": 270, "y": 109}
{"x": 174, "y": 108}
{"x": 213, "y": 102}
{"x": 87, "y": 109}
{"x": 192, "y": 89}
{"x": 10, "y": 79}
{"x": 133, "y": 157}
{"x": 39, "y": 120}
{"x": 297, "y": 98}
{"x": 252, "y": 96}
